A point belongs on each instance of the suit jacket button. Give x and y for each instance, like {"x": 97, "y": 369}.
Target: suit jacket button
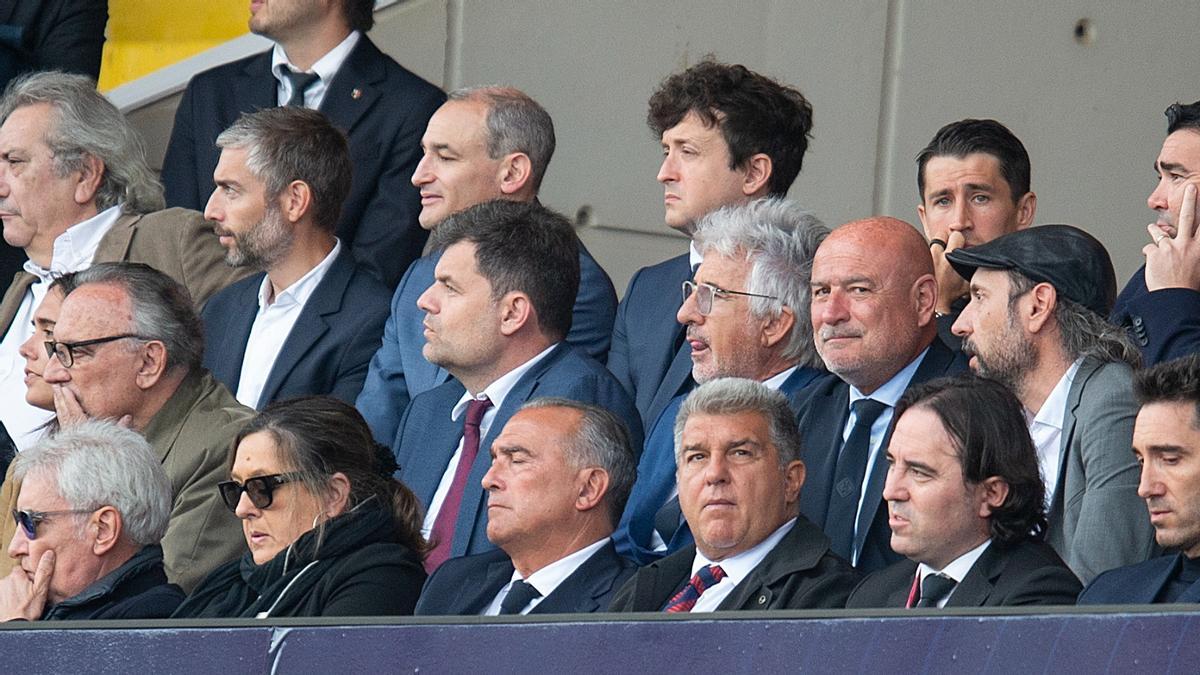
{"x": 1137, "y": 321}
{"x": 762, "y": 599}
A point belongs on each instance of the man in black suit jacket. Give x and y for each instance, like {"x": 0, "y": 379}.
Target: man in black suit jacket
{"x": 561, "y": 471}
{"x": 740, "y": 475}
{"x": 309, "y": 323}
{"x": 873, "y": 298}
{"x": 380, "y": 105}
{"x": 967, "y": 505}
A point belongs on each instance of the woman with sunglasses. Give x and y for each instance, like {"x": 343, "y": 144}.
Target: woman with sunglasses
{"x": 330, "y": 531}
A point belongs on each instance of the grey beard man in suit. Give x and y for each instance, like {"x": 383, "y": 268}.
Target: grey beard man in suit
{"x": 966, "y": 505}
{"x": 561, "y": 472}
{"x": 1036, "y": 323}
{"x": 310, "y": 324}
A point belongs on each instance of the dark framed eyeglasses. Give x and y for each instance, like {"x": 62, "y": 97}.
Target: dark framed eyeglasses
{"x": 260, "y": 489}
{"x": 706, "y": 292}
{"x": 29, "y": 520}
{"x": 65, "y": 351}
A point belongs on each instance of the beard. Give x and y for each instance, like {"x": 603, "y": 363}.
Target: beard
{"x": 263, "y": 244}
{"x": 1009, "y": 359}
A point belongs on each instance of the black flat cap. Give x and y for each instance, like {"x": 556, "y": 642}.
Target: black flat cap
{"x": 1064, "y": 256}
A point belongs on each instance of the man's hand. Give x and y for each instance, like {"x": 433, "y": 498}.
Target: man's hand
{"x": 950, "y": 286}
{"x": 1174, "y": 262}
{"x": 21, "y": 598}
{"x": 66, "y": 407}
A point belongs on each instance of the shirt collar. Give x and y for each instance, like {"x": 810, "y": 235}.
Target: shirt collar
{"x": 74, "y": 249}
{"x": 737, "y": 567}
{"x": 548, "y": 578}
{"x": 1054, "y": 409}
{"x": 695, "y": 257}
{"x": 302, "y": 289}
{"x": 776, "y": 381}
{"x": 325, "y": 67}
{"x": 958, "y": 568}
{"x": 893, "y": 389}
{"x": 498, "y": 390}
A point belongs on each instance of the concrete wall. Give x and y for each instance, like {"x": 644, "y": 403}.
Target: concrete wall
{"x": 882, "y": 76}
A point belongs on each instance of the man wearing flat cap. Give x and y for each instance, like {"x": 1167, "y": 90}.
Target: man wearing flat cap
{"x": 1035, "y": 322}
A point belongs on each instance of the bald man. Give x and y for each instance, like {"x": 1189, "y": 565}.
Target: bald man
{"x": 873, "y": 300}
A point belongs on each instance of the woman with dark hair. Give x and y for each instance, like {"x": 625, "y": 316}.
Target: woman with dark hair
{"x": 330, "y": 531}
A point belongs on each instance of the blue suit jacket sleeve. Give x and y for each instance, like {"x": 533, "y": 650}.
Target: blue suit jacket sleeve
{"x": 595, "y": 309}
{"x": 384, "y": 395}
{"x": 1164, "y": 323}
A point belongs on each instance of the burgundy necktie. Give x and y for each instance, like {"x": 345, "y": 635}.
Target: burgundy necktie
{"x": 442, "y": 535}
{"x": 704, "y": 579}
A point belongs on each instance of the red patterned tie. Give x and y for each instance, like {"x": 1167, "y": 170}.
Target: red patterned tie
{"x": 442, "y": 535}
{"x": 704, "y": 579}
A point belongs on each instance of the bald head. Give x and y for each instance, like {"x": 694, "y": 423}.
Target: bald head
{"x": 872, "y": 301}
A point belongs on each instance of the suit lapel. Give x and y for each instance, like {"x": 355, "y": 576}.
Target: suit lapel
{"x": 425, "y": 462}
{"x": 826, "y": 416}
{"x": 228, "y": 368}
{"x": 353, "y": 90}
{"x": 977, "y": 585}
{"x": 499, "y": 573}
{"x": 21, "y": 282}
{"x": 658, "y": 582}
{"x": 114, "y": 245}
{"x": 257, "y": 87}
{"x": 1074, "y": 398}
{"x": 578, "y": 593}
{"x": 677, "y": 380}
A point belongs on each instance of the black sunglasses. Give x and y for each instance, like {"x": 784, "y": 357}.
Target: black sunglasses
{"x": 29, "y": 520}
{"x": 260, "y": 489}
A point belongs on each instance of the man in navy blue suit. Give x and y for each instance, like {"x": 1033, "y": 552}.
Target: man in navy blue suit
{"x": 309, "y": 323}
{"x": 1166, "y": 440}
{"x": 746, "y": 315}
{"x": 322, "y": 59}
{"x": 561, "y": 471}
{"x": 485, "y": 143}
{"x": 495, "y": 318}
{"x": 1161, "y": 303}
{"x": 729, "y": 135}
{"x": 873, "y": 294}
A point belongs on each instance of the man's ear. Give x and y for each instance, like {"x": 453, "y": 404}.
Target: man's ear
{"x": 90, "y": 177}
{"x": 995, "y": 493}
{"x": 756, "y": 182}
{"x": 516, "y": 171}
{"x": 1042, "y": 301}
{"x": 295, "y": 201}
{"x": 516, "y": 310}
{"x": 593, "y": 485}
{"x": 107, "y": 524}
{"x": 153, "y": 364}
{"x": 778, "y": 328}
{"x": 1026, "y": 210}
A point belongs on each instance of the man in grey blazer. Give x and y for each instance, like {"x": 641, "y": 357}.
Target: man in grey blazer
{"x": 1036, "y": 323}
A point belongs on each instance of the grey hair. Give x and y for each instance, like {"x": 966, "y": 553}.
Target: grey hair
{"x": 162, "y": 309}
{"x": 97, "y": 463}
{"x": 734, "y": 395}
{"x": 515, "y": 123}
{"x": 1082, "y": 332}
{"x": 88, "y": 124}
{"x": 601, "y": 440}
{"x": 779, "y": 238}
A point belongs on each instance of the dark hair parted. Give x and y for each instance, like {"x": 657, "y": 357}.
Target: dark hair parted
{"x": 162, "y": 309}
{"x": 1175, "y": 381}
{"x": 318, "y": 436}
{"x": 987, "y": 426}
{"x": 522, "y": 247}
{"x": 754, "y": 113}
{"x": 359, "y": 14}
{"x": 969, "y": 136}
{"x": 288, "y": 144}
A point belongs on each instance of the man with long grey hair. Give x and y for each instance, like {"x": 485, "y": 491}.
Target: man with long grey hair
{"x": 93, "y": 505}
{"x": 747, "y": 315}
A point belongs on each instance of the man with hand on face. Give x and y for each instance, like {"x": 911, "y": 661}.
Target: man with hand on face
{"x": 561, "y": 471}
{"x": 93, "y": 505}
{"x": 973, "y": 179}
{"x": 740, "y": 477}
{"x": 1160, "y": 305}
{"x": 966, "y": 505}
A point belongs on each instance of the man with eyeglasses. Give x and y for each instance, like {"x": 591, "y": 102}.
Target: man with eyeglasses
{"x": 127, "y": 346}
{"x": 745, "y": 315}
{"x": 93, "y": 505}
{"x": 873, "y": 297}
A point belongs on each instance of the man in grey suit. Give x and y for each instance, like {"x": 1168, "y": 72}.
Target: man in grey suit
{"x": 1036, "y": 323}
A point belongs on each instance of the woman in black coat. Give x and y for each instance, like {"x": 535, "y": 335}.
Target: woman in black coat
{"x": 330, "y": 531}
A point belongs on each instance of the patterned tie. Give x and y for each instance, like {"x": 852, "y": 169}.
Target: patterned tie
{"x": 705, "y": 578}
{"x": 848, "y": 477}
{"x": 935, "y": 587}
{"x": 300, "y": 84}
{"x": 519, "y": 595}
{"x": 442, "y": 535}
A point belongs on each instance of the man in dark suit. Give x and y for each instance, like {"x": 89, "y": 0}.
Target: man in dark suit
{"x": 966, "y": 504}
{"x": 1036, "y": 323}
{"x": 746, "y": 316}
{"x": 76, "y": 190}
{"x": 740, "y": 477}
{"x": 484, "y": 143}
{"x": 729, "y": 135}
{"x": 1166, "y": 440}
{"x": 561, "y": 471}
{"x": 322, "y": 59}
{"x": 495, "y": 318}
{"x": 873, "y": 294}
{"x": 1160, "y": 305}
{"x": 309, "y": 322}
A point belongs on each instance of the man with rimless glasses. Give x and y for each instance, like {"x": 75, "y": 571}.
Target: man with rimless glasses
{"x": 127, "y": 347}
{"x": 746, "y": 315}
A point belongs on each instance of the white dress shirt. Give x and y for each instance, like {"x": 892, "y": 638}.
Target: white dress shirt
{"x": 496, "y": 392}
{"x": 72, "y": 251}
{"x": 272, "y": 325}
{"x": 326, "y": 67}
{"x": 1046, "y": 428}
{"x": 547, "y": 579}
{"x": 736, "y": 568}
{"x": 956, "y": 570}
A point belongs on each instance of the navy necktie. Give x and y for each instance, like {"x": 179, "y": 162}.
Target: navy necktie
{"x": 520, "y": 594}
{"x": 848, "y": 477}
{"x": 300, "y": 84}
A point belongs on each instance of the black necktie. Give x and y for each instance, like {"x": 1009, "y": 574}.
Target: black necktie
{"x": 300, "y": 84}
{"x": 848, "y": 477}
{"x": 519, "y": 595}
{"x": 934, "y": 587}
